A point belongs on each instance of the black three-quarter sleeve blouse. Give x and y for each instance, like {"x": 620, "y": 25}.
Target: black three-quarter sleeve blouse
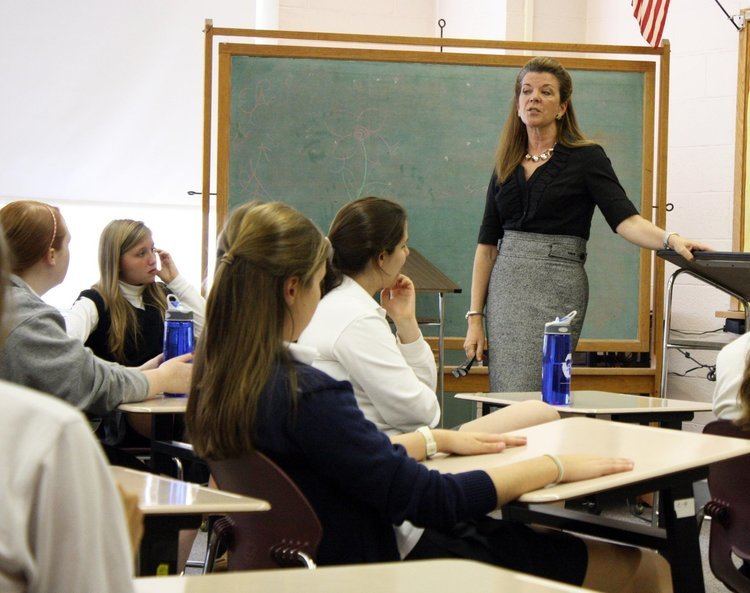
{"x": 559, "y": 197}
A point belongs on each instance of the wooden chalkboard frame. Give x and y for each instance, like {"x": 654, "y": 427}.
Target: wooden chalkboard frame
{"x": 328, "y": 46}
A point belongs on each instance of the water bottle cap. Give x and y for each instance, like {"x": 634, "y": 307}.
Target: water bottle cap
{"x": 176, "y": 311}
{"x": 560, "y": 326}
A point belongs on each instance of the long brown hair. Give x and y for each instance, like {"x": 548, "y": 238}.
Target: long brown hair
{"x": 359, "y": 233}
{"x": 514, "y": 138}
{"x": 242, "y": 341}
{"x": 116, "y": 239}
{"x": 31, "y": 229}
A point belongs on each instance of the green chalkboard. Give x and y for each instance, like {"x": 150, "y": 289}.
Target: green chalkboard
{"x": 317, "y": 133}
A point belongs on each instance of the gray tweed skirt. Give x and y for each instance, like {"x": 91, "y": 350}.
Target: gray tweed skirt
{"x": 536, "y": 278}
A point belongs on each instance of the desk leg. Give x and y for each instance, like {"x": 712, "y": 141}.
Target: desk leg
{"x": 683, "y": 549}
{"x": 162, "y": 429}
{"x": 673, "y": 422}
{"x": 158, "y": 553}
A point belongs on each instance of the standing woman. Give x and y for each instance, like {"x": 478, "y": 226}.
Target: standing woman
{"x": 528, "y": 265}
{"x": 121, "y": 318}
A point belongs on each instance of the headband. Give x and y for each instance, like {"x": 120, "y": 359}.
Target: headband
{"x": 54, "y": 227}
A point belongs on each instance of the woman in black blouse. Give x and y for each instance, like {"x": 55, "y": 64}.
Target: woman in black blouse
{"x": 528, "y": 266}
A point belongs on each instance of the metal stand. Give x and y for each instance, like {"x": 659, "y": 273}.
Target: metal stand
{"x": 715, "y": 269}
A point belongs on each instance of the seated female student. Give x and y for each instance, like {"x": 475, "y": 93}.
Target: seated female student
{"x": 121, "y": 318}
{"x": 37, "y": 352}
{"x": 60, "y": 504}
{"x": 254, "y": 389}
{"x": 393, "y": 377}
{"x": 732, "y": 391}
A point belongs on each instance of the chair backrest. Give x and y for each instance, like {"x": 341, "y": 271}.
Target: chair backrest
{"x": 729, "y": 508}
{"x": 261, "y": 539}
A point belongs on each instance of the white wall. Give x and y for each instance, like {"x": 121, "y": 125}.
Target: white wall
{"x": 481, "y": 19}
{"x": 561, "y": 21}
{"x": 376, "y": 17}
{"x": 101, "y": 114}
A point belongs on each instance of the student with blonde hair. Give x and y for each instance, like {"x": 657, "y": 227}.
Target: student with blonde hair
{"x": 121, "y": 317}
{"x": 37, "y": 351}
{"x": 253, "y": 389}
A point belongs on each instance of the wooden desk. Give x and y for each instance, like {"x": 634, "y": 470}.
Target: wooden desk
{"x": 169, "y": 505}
{"x": 622, "y": 380}
{"x": 435, "y": 576}
{"x": 620, "y": 407}
{"x": 163, "y": 411}
{"x": 156, "y": 405}
{"x": 665, "y": 460}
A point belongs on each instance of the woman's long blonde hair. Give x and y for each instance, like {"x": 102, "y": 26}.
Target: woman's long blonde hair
{"x": 118, "y": 237}
{"x": 242, "y": 342}
{"x": 514, "y": 139}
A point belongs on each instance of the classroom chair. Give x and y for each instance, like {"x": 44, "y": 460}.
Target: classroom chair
{"x": 287, "y": 535}
{"x": 729, "y": 509}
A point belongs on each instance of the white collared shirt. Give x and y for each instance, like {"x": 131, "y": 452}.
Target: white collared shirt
{"x": 394, "y": 383}
{"x": 730, "y": 368}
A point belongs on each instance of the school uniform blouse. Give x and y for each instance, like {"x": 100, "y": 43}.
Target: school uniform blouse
{"x": 730, "y": 369}
{"x": 558, "y": 199}
{"x": 356, "y": 480}
{"x": 394, "y": 383}
{"x": 62, "y": 525}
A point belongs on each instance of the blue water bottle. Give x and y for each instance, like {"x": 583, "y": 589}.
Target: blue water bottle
{"x": 178, "y": 332}
{"x": 556, "y": 361}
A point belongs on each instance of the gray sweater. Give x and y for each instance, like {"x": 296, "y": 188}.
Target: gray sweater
{"x": 39, "y": 354}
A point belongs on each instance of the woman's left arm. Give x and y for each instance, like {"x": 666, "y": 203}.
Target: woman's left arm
{"x": 644, "y": 233}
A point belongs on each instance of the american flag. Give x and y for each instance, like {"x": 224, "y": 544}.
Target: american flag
{"x": 651, "y": 16}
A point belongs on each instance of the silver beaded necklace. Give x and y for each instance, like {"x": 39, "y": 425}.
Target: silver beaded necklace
{"x": 542, "y": 156}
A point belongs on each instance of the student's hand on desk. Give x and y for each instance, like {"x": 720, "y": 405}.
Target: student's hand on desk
{"x": 168, "y": 270}
{"x": 153, "y": 363}
{"x": 475, "y": 341}
{"x": 133, "y": 518}
{"x": 475, "y": 443}
{"x": 585, "y": 467}
{"x": 685, "y": 246}
{"x": 177, "y": 372}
